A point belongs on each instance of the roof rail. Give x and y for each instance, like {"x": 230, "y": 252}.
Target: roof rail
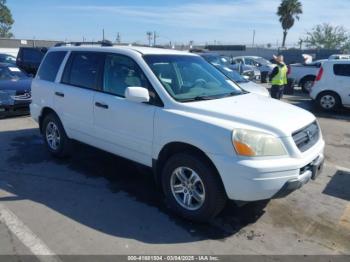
{"x": 100, "y": 43}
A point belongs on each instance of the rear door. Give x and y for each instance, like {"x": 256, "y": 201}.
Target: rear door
{"x": 75, "y": 93}
{"x": 342, "y": 81}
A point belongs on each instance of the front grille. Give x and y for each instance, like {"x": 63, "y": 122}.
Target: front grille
{"x": 307, "y": 137}
{"x": 22, "y": 96}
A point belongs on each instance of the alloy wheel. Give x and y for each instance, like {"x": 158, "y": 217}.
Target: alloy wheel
{"x": 187, "y": 188}
{"x": 53, "y": 136}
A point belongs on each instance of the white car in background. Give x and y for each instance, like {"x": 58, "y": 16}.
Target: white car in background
{"x": 244, "y": 83}
{"x": 263, "y": 65}
{"x": 331, "y": 89}
{"x": 205, "y": 139}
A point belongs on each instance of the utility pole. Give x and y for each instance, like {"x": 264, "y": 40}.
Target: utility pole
{"x": 253, "y": 38}
{"x": 191, "y": 44}
{"x": 118, "y": 40}
{"x": 154, "y": 38}
{"x": 300, "y": 44}
{"x": 149, "y": 36}
{"x": 103, "y": 34}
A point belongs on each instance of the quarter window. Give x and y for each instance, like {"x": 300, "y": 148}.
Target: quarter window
{"x": 83, "y": 69}
{"x": 121, "y": 72}
{"x": 342, "y": 69}
{"x": 51, "y": 65}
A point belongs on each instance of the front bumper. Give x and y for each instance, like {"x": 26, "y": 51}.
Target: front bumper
{"x": 309, "y": 172}
{"x": 260, "y": 179}
{"x": 14, "y": 110}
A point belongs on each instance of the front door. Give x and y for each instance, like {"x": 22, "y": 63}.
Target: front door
{"x": 123, "y": 127}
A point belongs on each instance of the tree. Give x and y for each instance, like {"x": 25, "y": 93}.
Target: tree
{"x": 327, "y": 36}
{"x": 288, "y": 11}
{"x": 6, "y": 20}
{"x": 346, "y": 47}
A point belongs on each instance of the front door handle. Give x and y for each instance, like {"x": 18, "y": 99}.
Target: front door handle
{"x": 59, "y": 94}
{"x": 98, "y": 104}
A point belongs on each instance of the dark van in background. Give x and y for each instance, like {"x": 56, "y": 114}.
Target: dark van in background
{"x": 29, "y": 58}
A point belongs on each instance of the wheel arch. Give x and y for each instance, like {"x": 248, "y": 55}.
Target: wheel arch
{"x": 44, "y": 112}
{"x": 172, "y": 148}
{"x": 302, "y": 80}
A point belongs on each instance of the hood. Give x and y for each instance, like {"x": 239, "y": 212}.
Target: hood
{"x": 254, "y": 88}
{"x": 16, "y": 85}
{"x": 255, "y": 112}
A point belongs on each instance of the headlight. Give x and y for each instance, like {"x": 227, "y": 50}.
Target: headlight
{"x": 255, "y": 144}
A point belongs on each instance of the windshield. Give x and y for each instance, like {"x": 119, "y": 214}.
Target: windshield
{"x": 262, "y": 61}
{"x": 8, "y": 59}
{"x": 11, "y": 73}
{"x": 191, "y": 78}
{"x": 233, "y": 75}
{"x": 216, "y": 60}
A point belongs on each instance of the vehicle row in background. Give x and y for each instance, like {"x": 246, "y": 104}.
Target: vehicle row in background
{"x": 263, "y": 65}
{"x": 249, "y": 72}
{"x": 29, "y": 58}
{"x": 15, "y": 95}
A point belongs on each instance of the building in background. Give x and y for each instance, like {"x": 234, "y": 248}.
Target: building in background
{"x": 11, "y": 46}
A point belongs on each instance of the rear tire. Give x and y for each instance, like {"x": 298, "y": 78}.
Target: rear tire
{"x": 328, "y": 101}
{"x": 192, "y": 187}
{"x": 55, "y": 136}
{"x": 306, "y": 84}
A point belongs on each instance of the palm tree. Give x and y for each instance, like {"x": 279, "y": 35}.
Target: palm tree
{"x": 288, "y": 11}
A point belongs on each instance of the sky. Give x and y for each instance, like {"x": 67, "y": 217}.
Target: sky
{"x": 179, "y": 21}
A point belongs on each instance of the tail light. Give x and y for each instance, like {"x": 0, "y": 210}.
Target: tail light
{"x": 320, "y": 74}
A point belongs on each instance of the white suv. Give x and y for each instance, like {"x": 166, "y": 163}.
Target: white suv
{"x": 331, "y": 89}
{"x": 206, "y": 139}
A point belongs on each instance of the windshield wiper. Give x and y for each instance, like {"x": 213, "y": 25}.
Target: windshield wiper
{"x": 198, "y": 98}
{"x": 231, "y": 94}
{"x": 203, "y": 98}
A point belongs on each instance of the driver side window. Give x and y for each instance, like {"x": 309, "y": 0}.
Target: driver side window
{"x": 121, "y": 72}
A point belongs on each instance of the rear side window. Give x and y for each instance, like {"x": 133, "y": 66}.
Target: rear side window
{"x": 51, "y": 65}
{"x": 32, "y": 55}
{"x": 82, "y": 69}
{"x": 342, "y": 69}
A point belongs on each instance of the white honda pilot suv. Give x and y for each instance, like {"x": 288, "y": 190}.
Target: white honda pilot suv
{"x": 206, "y": 139}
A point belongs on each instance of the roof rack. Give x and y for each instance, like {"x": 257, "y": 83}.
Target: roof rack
{"x": 99, "y": 43}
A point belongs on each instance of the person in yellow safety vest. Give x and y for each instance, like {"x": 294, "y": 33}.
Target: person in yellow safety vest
{"x": 278, "y": 77}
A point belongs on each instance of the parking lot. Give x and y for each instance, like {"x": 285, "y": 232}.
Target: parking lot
{"x": 96, "y": 203}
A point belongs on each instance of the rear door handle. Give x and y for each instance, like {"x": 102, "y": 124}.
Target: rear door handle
{"x": 98, "y": 104}
{"x": 59, "y": 94}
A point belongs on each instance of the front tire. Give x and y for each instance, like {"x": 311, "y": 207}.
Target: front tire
{"x": 55, "y": 137}
{"x": 192, "y": 187}
{"x": 328, "y": 101}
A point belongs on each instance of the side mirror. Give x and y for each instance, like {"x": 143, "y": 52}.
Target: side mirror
{"x": 137, "y": 94}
